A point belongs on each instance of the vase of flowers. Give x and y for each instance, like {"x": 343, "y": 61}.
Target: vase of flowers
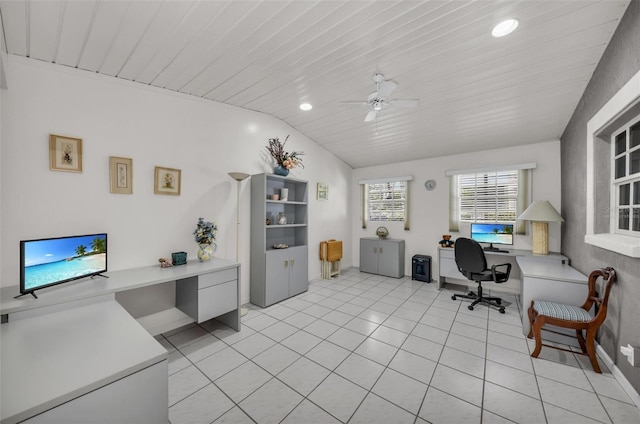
{"x": 205, "y": 236}
{"x": 285, "y": 161}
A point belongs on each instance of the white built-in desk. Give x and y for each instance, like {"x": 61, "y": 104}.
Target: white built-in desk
{"x": 90, "y": 363}
{"x": 555, "y": 282}
{"x": 204, "y": 290}
{"x": 449, "y": 270}
{"x": 75, "y": 355}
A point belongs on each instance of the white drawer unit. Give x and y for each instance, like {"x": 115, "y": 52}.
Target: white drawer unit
{"x": 207, "y": 296}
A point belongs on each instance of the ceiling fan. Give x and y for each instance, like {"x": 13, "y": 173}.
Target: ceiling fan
{"x": 379, "y": 99}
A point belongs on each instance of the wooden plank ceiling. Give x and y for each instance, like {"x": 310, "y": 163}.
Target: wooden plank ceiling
{"x": 476, "y": 92}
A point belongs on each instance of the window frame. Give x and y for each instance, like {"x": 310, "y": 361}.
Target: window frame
{"x": 631, "y": 180}
{"x": 393, "y": 202}
{"x": 485, "y": 199}
{"x": 524, "y": 192}
{"x": 624, "y": 100}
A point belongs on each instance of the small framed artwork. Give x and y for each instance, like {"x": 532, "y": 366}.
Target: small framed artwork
{"x": 323, "y": 191}
{"x": 65, "y": 153}
{"x": 121, "y": 175}
{"x": 167, "y": 181}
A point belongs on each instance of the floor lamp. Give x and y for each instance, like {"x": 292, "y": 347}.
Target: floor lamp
{"x": 239, "y": 177}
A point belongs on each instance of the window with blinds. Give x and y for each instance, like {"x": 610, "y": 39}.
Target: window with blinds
{"x": 488, "y": 196}
{"x": 387, "y": 201}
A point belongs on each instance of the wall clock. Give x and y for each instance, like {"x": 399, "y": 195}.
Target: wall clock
{"x": 430, "y": 184}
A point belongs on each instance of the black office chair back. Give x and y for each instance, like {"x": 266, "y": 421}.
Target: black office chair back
{"x": 469, "y": 257}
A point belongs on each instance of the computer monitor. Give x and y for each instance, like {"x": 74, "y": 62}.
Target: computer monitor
{"x": 495, "y": 233}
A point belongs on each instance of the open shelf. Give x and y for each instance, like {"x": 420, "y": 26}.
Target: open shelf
{"x": 164, "y": 321}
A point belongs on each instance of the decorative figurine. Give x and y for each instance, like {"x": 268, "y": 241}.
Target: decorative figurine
{"x": 165, "y": 263}
{"x": 446, "y": 241}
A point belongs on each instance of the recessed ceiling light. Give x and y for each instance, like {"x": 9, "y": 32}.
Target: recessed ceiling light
{"x": 305, "y": 106}
{"x": 505, "y": 28}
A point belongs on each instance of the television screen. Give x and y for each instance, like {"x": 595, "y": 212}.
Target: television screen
{"x": 492, "y": 233}
{"x": 46, "y": 262}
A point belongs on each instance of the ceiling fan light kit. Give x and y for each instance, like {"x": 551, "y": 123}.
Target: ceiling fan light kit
{"x": 379, "y": 99}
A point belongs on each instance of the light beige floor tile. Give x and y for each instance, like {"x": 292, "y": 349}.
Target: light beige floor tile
{"x": 571, "y": 398}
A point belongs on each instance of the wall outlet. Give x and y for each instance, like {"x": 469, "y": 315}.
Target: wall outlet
{"x": 632, "y": 354}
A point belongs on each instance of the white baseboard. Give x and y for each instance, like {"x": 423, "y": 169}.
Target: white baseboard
{"x": 620, "y": 378}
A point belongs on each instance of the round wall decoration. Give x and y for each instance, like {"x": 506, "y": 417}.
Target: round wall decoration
{"x": 430, "y": 184}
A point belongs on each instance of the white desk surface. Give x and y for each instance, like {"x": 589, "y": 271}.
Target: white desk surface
{"x": 550, "y": 270}
{"x": 50, "y": 359}
{"x": 118, "y": 281}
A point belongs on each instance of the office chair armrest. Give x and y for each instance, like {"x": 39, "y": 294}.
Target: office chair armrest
{"x": 507, "y": 272}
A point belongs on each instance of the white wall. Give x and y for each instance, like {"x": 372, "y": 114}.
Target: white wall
{"x": 429, "y": 209}
{"x": 204, "y": 139}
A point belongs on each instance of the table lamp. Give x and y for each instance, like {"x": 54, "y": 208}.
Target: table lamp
{"x": 540, "y": 212}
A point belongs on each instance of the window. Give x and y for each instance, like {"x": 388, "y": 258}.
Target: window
{"x": 386, "y": 201}
{"x": 607, "y": 122}
{"x": 497, "y": 194}
{"x": 625, "y": 193}
{"x": 487, "y": 196}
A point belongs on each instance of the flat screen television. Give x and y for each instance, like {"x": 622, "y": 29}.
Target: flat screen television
{"x": 51, "y": 261}
{"x": 492, "y": 234}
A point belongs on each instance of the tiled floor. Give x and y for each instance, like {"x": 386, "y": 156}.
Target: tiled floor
{"x": 368, "y": 349}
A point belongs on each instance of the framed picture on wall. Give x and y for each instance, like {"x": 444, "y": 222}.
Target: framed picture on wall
{"x": 120, "y": 175}
{"x": 323, "y": 191}
{"x": 167, "y": 181}
{"x": 65, "y": 153}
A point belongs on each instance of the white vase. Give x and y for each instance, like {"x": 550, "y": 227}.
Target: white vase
{"x": 206, "y": 251}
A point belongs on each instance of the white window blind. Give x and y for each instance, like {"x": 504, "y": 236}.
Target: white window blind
{"x": 488, "y": 196}
{"x": 498, "y": 194}
{"x": 387, "y": 201}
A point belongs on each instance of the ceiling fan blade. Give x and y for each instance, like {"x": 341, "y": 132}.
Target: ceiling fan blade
{"x": 371, "y": 116}
{"x": 354, "y": 103}
{"x": 386, "y": 88}
{"x": 404, "y": 103}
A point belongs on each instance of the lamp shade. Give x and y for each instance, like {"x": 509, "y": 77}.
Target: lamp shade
{"x": 239, "y": 176}
{"x": 541, "y": 210}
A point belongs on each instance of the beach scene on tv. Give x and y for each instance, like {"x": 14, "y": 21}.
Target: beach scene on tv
{"x": 492, "y": 233}
{"x": 55, "y": 260}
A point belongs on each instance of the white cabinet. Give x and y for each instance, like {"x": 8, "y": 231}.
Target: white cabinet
{"x": 382, "y": 256}
{"x": 286, "y": 274}
{"x": 207, "y": 296}
{"x": 279, "y": 251}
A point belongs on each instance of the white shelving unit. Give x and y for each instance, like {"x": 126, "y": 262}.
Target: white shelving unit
{"x": 277, "y": 274}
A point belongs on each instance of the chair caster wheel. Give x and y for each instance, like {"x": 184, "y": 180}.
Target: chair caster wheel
{"x": 453, "y": 297}
{"x": 499, "y": 302}
{"x": 470, "y": 307}
{"x": 502, "y": 310}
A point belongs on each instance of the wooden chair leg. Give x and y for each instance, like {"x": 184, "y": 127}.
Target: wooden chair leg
{"x": 580, "y": 338}
{"x": 591, "y": 351}
{"x": 536, "y": 329}
{"x": 532, "y": 318}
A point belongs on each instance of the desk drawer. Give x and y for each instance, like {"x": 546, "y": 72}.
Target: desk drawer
{"x": 448, "y": 253}
{"x": 217, "y": 300}
{"x": 218, "y": 277}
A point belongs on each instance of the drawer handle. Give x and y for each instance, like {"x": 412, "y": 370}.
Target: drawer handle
{"x": 291, "y": 261}
{"x": 286, "y": 263}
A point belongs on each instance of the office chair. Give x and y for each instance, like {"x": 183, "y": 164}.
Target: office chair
{"x": 577, "y": 318}
{"x": 472, "y": 264}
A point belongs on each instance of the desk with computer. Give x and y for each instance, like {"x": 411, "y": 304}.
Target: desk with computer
{"x": 532, "y": 276}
